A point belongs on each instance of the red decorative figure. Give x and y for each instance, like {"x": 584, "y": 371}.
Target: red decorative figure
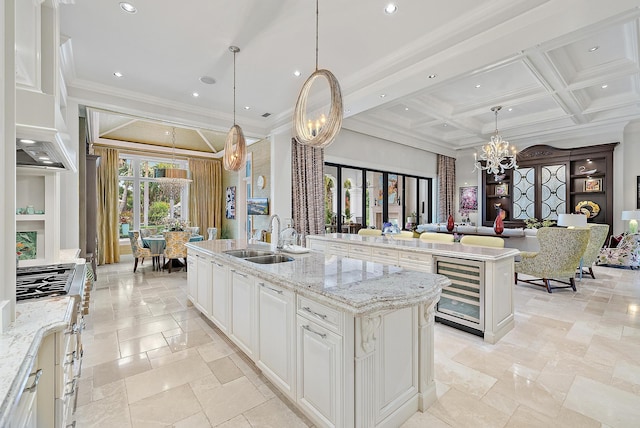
{"x": 498, "y": 225}
{"x": 450, "y": 223}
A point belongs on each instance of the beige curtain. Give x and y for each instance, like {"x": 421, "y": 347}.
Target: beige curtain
{"x": 446, "y": 187}
{"x": 205, "y": 194}
{"x": 108, "y": 221}
{"x": 307, "y": 181}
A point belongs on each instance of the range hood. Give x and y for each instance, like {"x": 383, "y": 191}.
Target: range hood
{"x": 41, "y": 137}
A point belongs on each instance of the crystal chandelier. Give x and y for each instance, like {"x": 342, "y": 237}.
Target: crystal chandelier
{"x": 497, "y": 155}
{"x": 172, "y": 179}
{"x": 235, "y": 146}
{"x": 318, "y": 132}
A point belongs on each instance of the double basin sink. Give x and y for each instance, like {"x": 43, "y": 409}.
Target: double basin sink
{"x": 257, "y": 256}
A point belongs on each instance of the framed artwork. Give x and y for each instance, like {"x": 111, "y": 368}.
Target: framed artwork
{"x": 502, "y": 189}
{"x": 469, "y": 198}
{"x": 258, "y": 206}
{"x": 593, "y": 185}
{"x": 26, "y": 245}
{"x": 230, "y": 202}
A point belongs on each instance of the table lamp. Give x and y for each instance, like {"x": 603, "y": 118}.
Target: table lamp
{"x": 633, "y": 217}
{"x": 572, "y": 220}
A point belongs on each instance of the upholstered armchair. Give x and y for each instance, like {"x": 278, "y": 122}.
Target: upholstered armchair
{"x": 560, "y": 252}
{"x": 137, "y": 250}
{"x": 175, "y": 248}
{"x": 627, "y": 253}
{"x": 596, "y": 241}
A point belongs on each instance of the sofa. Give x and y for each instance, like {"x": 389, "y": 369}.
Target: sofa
{"x": 625, "y": 254}
{"x": 519, "y": 238}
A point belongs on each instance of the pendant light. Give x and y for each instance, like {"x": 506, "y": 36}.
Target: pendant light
{"x": 318, "y": 131}
{"x": 496, "y": 154}
{"x": 235, "y": 147}
{"x": 172, "y": 178}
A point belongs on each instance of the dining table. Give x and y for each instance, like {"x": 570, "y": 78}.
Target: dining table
{"x": 157, "y": 244}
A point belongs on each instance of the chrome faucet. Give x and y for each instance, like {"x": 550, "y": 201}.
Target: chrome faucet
{"x": 279, "y": 242}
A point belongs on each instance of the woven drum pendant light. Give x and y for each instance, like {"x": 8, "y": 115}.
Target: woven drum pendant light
{"x": 318, "y": 132}
{"x": 235, "y": 147}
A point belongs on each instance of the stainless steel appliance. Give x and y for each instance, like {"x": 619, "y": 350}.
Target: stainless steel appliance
{"x": 44, "y": 281}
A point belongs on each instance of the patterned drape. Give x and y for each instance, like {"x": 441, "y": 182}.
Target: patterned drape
{"x": 307, "y": 181}
{"x": 446, "y": 187}
{"x": 108, "y": 223}
{"x": 205, "y": 194}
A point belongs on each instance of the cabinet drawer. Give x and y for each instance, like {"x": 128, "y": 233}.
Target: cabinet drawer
{"x": 360, "y": 252}
{"x": 322, "y": 314}
{"x": 337, "y": 248}
{"x": 417, "y": 261}
{"x": 383, "y": 255}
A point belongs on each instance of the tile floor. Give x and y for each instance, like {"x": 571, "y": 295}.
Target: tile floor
{"x": 573, "y": 360}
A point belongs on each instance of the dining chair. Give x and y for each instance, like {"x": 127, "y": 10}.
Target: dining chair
{"x": 370, "y": 232}
{"x": 436, "y": 237}
{"x": 482, "y": 241}
{"x": 175, "y": 248}
{"x": 138, "y": 251}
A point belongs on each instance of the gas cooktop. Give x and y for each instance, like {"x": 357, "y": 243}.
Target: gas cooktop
{"x": 43, "y": 281}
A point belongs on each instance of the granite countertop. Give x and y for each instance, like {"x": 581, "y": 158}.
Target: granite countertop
{"x": 355, "y": 286}
{"x": 19, "y": 345}
{"x": 454, "y": 249}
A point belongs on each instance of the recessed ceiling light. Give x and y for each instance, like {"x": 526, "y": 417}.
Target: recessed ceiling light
{"x": 297, "y": 73}
{"x": 477, "y": 86}
{"x": 510, "y": 108}
{"x": 27, "y": 141}
{"x": 195, "y": 95}
{"x": 118, "y": 74}
{"x": 390, "y": 9}
{"x": 128, "y": 7}
{"x": 406, "y": 109}
{"x": 604, "y": 86}
{"x": 207, "y": 80}
{"x": 43, "y": 158}
{"x": 383, "y": 95}
{"x": 432, "y": 76}
{"x": 445, "y": 125}
{"x": 594, "y": 48}
{"x": 247, "y": 107}
{"x": 48, "y": 162}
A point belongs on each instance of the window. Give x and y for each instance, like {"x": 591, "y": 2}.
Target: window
{"x": 358, "y": 197}
{"x": 142, "y": 203}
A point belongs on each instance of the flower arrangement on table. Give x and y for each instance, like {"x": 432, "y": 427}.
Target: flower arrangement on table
{"x": 534, "y": 223}
{"x": 175, "y": 224}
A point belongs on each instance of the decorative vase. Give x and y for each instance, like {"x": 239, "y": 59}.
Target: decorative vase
{"x": 450, "y": 223}
{"x": 498, "y": 225}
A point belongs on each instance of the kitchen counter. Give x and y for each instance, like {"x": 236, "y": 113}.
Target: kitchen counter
{"x": 346, "y": 284}
{"x": 415, "y": 245}
{"x": 334, "y": 334}
{"x": 19, "y": 345}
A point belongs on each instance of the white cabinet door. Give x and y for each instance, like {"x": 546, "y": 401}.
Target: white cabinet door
{"x": 243, "y": 312}
{"x": 204, "y": 284}
{"x": 192, "y": 278}
{"x": 276, "y": 333}
{"x": 220, "y": 296}
{"x": 319, "y": 372}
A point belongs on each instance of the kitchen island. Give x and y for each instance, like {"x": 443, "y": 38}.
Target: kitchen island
{"x": 350, "y": 342}
{"x": 480, "y": 299}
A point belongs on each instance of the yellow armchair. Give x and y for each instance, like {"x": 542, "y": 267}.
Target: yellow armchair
{"x": 175, "y": 248}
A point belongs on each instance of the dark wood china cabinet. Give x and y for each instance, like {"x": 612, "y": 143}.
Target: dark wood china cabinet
{"x": 551, "y": 181}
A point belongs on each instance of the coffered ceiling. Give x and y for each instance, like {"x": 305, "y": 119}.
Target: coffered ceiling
{"x": 561, "y": 69}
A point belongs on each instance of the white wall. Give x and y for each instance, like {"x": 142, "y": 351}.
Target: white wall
{"x": 355, "y": 149}
{"x": 281, "y": 175}
{"x": 70, "y": 186}
{"x": 626, "y": 159}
